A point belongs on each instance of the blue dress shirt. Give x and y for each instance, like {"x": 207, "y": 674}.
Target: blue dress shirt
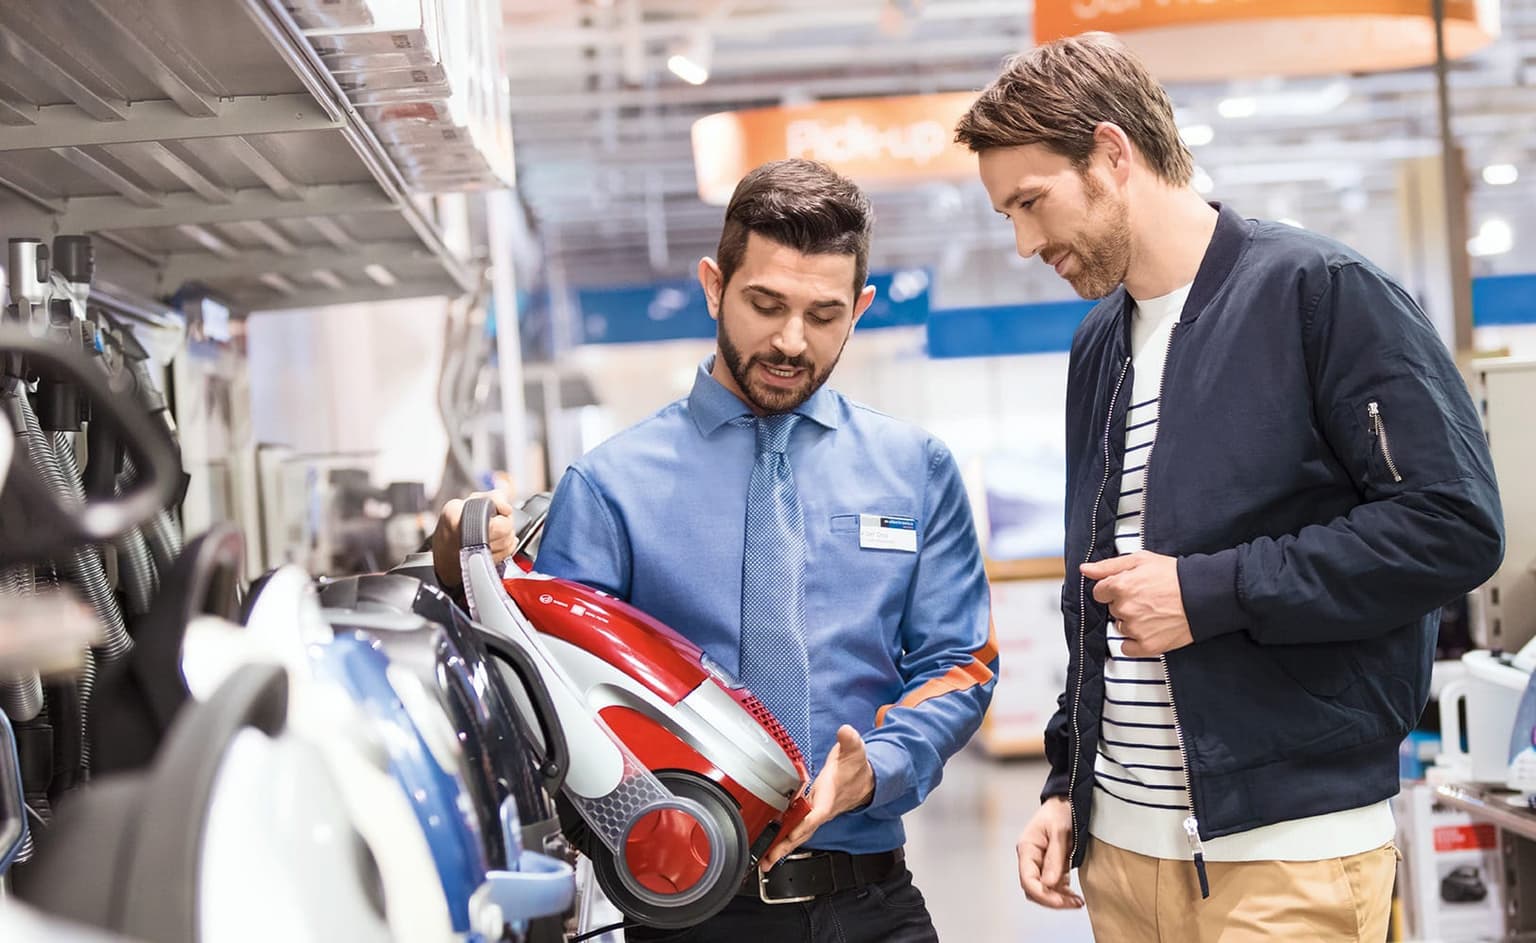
{"x": 901, "y": 642}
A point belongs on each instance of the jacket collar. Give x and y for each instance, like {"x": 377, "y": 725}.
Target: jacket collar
{"x": 712, "y": 405}
{"x": 1228, "y": 242}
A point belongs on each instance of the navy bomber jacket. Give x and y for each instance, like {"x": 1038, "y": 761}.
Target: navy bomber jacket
{"x": 1323, "y": 478}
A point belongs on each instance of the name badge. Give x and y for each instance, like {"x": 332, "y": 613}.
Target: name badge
{"x": 878, "y": 532}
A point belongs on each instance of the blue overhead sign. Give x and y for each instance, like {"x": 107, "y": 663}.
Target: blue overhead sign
{"x": 1005, "y": 329}
{"x": 674, "y": 310}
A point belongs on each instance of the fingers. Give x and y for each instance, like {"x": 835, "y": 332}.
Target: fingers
{"x": 848, "y": 740}
{"x": 501, "y": 502}
{"x": 1031, "y": 851}
{"x": 1102, "y": 569}
{"x": 787, "y": 844}
{"x": 503, "y": 538}
{"x": 1056, "y": 869}
{"x": 1044, "y": 875}
{"x": 1106, "y": 590}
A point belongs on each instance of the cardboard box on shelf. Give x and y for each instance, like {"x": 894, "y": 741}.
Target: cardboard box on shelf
{"x": 1454, "y": 889}
{"x": 1027, "y": 614}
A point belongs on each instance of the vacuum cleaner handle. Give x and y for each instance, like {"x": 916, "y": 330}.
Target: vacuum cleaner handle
{"x": 557, "y": 752}
{"x": 475, "y": 522}
{"x": 161, "y": 890}
{"x": 52, "y": 529}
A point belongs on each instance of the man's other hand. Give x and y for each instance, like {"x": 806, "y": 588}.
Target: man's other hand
{"x": 1143, "y": 596}
{"x": 446, "y": 537}
{"x": 846, "y": 782}
{"x": 1045, "y": 868}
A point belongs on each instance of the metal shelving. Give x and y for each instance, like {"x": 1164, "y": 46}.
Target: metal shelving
{"x": 207, "y": 140}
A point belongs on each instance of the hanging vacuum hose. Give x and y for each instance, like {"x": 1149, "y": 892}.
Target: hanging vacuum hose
{"x": 82, "y": 565}
{"x": 135, "y": 566}
{"x": 162, "y": 533}
{"x": 21, "y": 695}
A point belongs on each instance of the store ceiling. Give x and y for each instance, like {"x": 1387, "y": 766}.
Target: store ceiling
{"x": 602, "y": 127}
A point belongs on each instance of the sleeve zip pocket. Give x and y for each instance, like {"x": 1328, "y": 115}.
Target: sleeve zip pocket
{"x": 1379, "y": 433}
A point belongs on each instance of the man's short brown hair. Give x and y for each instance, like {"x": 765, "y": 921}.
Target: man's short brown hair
{"x": 1056, "y": 94}
{"x": 802, "y": 204}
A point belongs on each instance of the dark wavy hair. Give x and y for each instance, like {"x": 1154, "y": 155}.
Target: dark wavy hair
{"x": 802, "y": 204}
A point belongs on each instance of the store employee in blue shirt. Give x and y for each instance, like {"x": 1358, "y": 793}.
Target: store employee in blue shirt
{"x": 821, "y": 550}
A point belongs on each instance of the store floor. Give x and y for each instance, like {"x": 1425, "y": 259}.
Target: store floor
{"x": 960, "y": 849}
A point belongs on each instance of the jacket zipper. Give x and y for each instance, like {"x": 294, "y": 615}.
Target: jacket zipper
{"x": 1082, "y": 613}
{"x": 1191, "y": 823}
{"x": 1379, "y": 432}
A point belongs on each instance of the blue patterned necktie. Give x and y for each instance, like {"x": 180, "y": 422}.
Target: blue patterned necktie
{"x": 774, "y": 662}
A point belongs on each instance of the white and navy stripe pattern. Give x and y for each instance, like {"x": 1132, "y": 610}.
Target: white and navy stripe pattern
{"x": 1140, "y": 800}
{"x": 1139, "y": 762}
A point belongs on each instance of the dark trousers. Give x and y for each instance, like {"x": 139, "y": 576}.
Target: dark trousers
{"x": 891, "y": 911}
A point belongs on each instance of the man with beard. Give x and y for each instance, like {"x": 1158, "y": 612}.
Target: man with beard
{"x": 1261, "y": 566}
{"x": 766, "y": 517}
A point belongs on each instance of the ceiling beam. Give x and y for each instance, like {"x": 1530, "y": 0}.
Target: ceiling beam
{"x": 91, "y": 214}
{"x": 153, "y": 53}
{"x": 357, "y": 294}
{"x": 257, "y": 163}
{"x": 134, "y": 191}
{"x": 173, "y": 164}
{"x": 58, "y": 75}
{"x": 812, "y": 17}
{"x": 182, "y": 267}
{"x": 163, "y": 120}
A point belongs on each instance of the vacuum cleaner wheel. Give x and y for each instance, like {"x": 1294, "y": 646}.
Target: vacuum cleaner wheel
{"x": 668, "y": 854}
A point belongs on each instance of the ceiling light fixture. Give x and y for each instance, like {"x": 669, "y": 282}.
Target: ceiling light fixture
{"x": 381, "y": 276}
{"x": 1500, "y": 175}
{"x": 690, "y": 61}
{"x": 1238, "y": 106}
{"x": 1197, "y": 135}
{"x": 1494, "y": 237}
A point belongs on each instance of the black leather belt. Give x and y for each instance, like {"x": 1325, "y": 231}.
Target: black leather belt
{"x": 807, "y": 875}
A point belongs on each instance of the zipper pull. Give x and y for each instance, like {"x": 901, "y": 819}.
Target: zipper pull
{"x": 1373, "y": 410}
{"x": 1192, "y": 832}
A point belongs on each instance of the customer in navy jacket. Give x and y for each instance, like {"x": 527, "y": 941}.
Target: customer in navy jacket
{"x": 1276, "y": 478}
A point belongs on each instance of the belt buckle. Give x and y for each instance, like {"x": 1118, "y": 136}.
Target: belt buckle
{"x": 762, "y": 883}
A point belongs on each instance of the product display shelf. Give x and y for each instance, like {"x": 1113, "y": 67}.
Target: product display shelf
{"x": 208, "y": 143}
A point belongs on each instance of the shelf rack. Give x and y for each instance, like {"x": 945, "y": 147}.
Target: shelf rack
{"x": 209, "y": 142}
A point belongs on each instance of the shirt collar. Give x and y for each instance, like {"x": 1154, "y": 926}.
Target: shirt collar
{"x": 712, "y": 405}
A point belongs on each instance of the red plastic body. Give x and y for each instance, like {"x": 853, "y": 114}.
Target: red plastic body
{"x": 672, "y": 855}
{"x": 646, "y": 650}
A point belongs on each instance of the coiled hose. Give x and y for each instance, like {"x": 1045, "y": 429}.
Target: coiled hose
{"x": 136, "y": 571}
{"x": 162, "y": 533}
{"x": 82, "y": 566}
{"x": 21, "y": 695}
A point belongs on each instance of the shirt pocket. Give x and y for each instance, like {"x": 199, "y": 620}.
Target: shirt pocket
{"x": 843, "y": 526}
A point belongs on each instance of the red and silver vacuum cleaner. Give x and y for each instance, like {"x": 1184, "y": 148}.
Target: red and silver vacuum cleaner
{"x": 681, "y": 778}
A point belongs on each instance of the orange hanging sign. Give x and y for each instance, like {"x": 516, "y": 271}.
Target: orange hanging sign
{"x": 1219, "y": 39}
{"x": 874, "y": 141}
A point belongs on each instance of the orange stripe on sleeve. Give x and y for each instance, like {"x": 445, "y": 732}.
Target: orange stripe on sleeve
{"x": 960, "y": 678}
